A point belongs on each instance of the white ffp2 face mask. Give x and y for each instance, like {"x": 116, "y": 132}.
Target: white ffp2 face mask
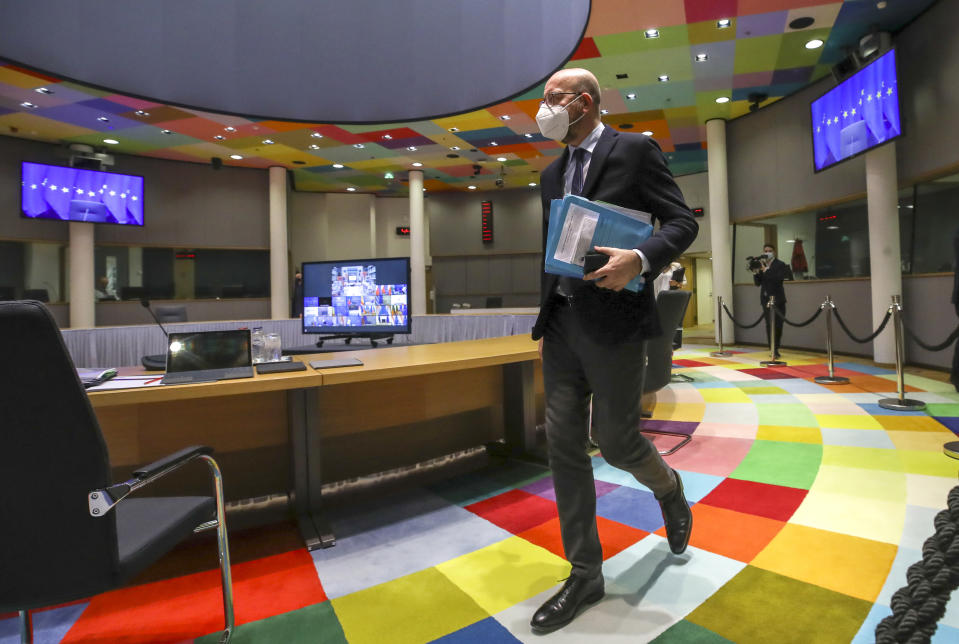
{"x": 554, "y": 122}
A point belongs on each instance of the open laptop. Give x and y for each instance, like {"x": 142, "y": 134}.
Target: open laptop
{"x": 207, "y": 356}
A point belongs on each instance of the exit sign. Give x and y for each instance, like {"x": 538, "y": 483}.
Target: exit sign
{"x": 486, "y": 208}
{"x": 403, "y": 231}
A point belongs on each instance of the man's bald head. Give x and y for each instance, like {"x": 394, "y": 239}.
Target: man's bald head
{"x": 578, "y": 80}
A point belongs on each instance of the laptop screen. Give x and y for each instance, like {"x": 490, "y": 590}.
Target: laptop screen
{"x": 208, "y": 350}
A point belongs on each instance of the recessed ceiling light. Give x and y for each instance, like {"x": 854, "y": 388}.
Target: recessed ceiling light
{"x": 424, "y": 189}
{"x": 337, "y": 165}
{"x": 832, "y": 227}
{"x": 501, "y": 159}
{"x": 815, "y": 43}
{"x": 505, "y": 117}
{"x": 471, "y": 187}
{"x": 388, "y": 176}
{"x": 412, "y": 148}
{"x": 604, "y": 111}
{"x": 314, "y": 146}
{"x": 388, "y": 137}
{"x": 417, "y": 164}
{"x": 358, "y": 146}
{"x": 268, "y": 141}
{"x": 236, "y": 156}
{"x": 722, "y": 99}
{"x": 28, "y": 105}
{"x": 631, "y": 97}
{"x": 532, "y": 184}
{"x": 454, "y": 147}
{"x": 493, "y": 143}
{"x": 111, "y": 141}
{"x": 219, "y": 137}
{"x": 648, "y": 132}
{"x": 165, "y": 132}
{"x": 663, "y": 78}
{"x": 103, "y": 119}
{"x": 454, "y": 129}
{"x": 141, "y": 113}
{"x": 701, "y": 58}
{"x": 528, "y": 135}
{"x": 722, "y": 23}
{"x": 229, "y": 128}
{"x": 316, "y": 135}
{"x": 881, "y": 4}
{"x": 351, "y": 189}
{"x": 43, "y": 90}
{"x": 652, "y": 33}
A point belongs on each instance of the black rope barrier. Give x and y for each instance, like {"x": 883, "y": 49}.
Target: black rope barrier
{"x": 870, "y": 337}
{"x": 918, "y": 606}
{"x": 932, "y": 347}
{"x": 797, "y": 324}
{"x": 743, "y": 326}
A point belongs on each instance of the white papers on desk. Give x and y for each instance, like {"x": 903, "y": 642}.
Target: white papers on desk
{"x": 128, "y": 382}
{"x": 576, "y": 225}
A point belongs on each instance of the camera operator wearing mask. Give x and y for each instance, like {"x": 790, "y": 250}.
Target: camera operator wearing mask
{"x": 769, "y": 277}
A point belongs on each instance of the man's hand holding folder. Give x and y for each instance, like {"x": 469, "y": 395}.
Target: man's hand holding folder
{"x": 578, "y": 226}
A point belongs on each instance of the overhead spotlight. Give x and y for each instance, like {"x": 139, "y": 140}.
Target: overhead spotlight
{"x": 219, "y": 137}
{"x": 43, "y": 90}
{"x": 532, "y": 184}
{"x": 316, "y": 135}
{"x": 165, "y": 132}
{"x": 111, "y": 141}
{"x": 358, "y": 146}
{"x": 663, "y": 78}
{"x": 471, "y": 187}
{"x": 722, "y": 99}
{"x": 631, "y": 97}
{"x": 648, "y": 132}
{"x": 338, "y": 166}
{"x": 604, "y": 111}
{"x": 454, "y": 129}
{"x": 314, "y": 146}
{"x": 268, "y": 141}
{"x": 229, "y": 128}
{"x": 723, "y": 23}
{"x": 141, "y": 113}
{"x": 387, "y": 137}
{"x": 505, "y": 117}
{"x": 493, "y": 143}
{"x": 528, "y": 135}
{"x": 815, "y": 43}
{"x": 351, "y": 189}
{"x": 501, "y": 159}
{"x": 454, "y": 147}
{"x": 103, "y": 119}
{"x": 702, "y": 58}
{"x": 652, "y": 33}
{"x": 236, "y": 157}
{"x": 417, "y": 164}
{"x": 412, "y": 148}
{"x": 28, "y": 105}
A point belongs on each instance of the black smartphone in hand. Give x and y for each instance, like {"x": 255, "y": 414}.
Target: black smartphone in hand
{"x": 594, "y": 260}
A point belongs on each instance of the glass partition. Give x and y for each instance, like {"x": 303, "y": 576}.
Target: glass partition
{"x": 32, "y": 271}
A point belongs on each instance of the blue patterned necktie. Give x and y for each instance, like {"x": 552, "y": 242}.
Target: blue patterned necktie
{"x": 579, "y": 157}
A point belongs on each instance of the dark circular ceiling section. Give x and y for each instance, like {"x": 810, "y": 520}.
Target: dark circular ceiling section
{"x": 341, "y": 61}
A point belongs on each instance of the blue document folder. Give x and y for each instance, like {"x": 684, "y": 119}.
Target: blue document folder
{"x": 576, "y": 225}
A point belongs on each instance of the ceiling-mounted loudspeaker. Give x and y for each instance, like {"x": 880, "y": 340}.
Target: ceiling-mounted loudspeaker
{"x": 873, "y": 44}
{"x": 216, "y": 162}
{"x": 846, "y": 67}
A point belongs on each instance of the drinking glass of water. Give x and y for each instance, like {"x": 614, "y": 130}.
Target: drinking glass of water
{"x": 273, "y": 349}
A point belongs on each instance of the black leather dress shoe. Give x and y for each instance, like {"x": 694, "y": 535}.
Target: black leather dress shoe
{"x": 678, "y": 518}
{"x": 560, "y": 609}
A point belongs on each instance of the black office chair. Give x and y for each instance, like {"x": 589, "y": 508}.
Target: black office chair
{"x": 132, "y": 292}
{"x": 658, "y": 358}
{"x": 171, "y": 313}
{"x": 38, "y": 294}
{"x": 7, "y": 293}
{"x": 68, "y": 532}
{"x": 494, "y": 302}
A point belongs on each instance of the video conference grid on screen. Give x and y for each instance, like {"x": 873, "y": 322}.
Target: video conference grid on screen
{"x": 358, "y": 296}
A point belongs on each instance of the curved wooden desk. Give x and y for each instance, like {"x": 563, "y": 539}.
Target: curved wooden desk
{"x": 298, "y": 430}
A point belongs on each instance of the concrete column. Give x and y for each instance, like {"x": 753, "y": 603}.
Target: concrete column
{"x": 373, "y": 252}
{"x": 719, "y": 224}
{"x": 279, "y": 263}
{"x": 885, "y": 260}
{"x": 417, "y": 245}
{"x": 82, "y": 298}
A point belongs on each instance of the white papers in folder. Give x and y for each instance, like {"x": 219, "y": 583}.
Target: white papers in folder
{"x": 577, "y": 235}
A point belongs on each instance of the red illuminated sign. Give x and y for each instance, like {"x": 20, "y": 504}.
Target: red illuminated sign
{"x": 486, "y": 208}
{"x": 403, "y": 231}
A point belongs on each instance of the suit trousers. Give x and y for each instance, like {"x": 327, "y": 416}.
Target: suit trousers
{"x": 577, "y": 370}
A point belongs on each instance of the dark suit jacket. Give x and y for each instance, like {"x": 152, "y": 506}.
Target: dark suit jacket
{"x": 770, "y": 282}
{"x": 628, "y": 170}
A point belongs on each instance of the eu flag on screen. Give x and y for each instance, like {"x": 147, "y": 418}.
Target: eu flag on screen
{"x": 858, "y": 114}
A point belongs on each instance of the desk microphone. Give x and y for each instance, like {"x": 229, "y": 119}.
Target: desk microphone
{"x": 157, "y": 362}
{"x": 145, "y": 303}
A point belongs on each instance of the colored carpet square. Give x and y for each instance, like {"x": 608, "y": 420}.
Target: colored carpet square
{"x": 711, "y": 455}
{"x": 631, "y": 507}
{"x": 857, "y": 421}
{"x": 515, "y": 511}
{"x": 863, "y": 368}
{"x": 789, "y": 434}
{"x": 683, "y": 632}
{"x": 846, "y": 564}
{"x": 869, "y": 518}
{"x": 729, "y": 533}
{"x": 856, "y": 438}
{"x": 920, "y": 441}
{"x": 544, "y": 488}
{"x": 192, "y": 605}
{"x": 690, "y": 363}
{"x": 781, "y": 463}
{"x": 931, "y": 463}
{"x": 793, "y": 415}
{"x": 875, "y": 409}
{"x": 679, "y": 392}
{"x": 727, "y": 430}
{"x": 878, "y": 385}
{"x": 614, "y": 536}
{"x": 943, "y": 409}
{"x": 487, "y": 631}
{"x": 864, "y": 457}
{"x": 928, "y": 491}
{"x": 49, "y": 625}
{"x": 412, "y": 609}
{"x": 910, "y": 423}
{"x": 772, "y": 399}
{"x": 724, "y": 395}
{"x": 950, "y": 423}
{"x": 688, "y": 412}
{"x": 861, "y": 483}
{"x": 762, "y": 606}
{"x": 761, "y": 499}
{"x": 761, "y": 389}
{"x": 766, "y": 373}
{"x": 316, "y": 623}
{"x": 675, "y": 426}
{"x": 798, "y": 386}
{"x": 475, "y": 486}
{"x": 505, "y": 573}
{"x": 740, "y": 413}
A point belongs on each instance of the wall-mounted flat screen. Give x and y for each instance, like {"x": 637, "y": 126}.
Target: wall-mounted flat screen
{"x": 75, "y": 194}
{"x": 357, "y": 296}
{"x": 858, "y": 114}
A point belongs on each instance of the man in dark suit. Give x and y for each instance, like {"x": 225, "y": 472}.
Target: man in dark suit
{"x": 769, "y": 278}
{"x": 591, "y": 332}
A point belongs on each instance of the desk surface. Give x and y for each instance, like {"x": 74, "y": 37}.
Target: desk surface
{"x": 380, "y": 363}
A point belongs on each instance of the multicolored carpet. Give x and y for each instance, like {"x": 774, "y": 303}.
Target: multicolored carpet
{"x": 809, "y": 503}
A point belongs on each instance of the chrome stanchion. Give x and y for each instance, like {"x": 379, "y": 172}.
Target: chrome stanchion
{"x": 902, "y": 403}
{"x": 722, "y": 353}
{"x": 771, "y": 321}
{"x": 832, "y": 378}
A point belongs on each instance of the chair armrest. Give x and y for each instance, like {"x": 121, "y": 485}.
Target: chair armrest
{"x": 174, "y": 460}
{"x": 101, "y": 501}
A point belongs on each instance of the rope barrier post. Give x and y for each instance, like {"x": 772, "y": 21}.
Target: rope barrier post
{"x": 722, "y": 353}
{"x": 832, "y": 378}
{"x": 771, "y": 325}
{"x": 902, "y": 403}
